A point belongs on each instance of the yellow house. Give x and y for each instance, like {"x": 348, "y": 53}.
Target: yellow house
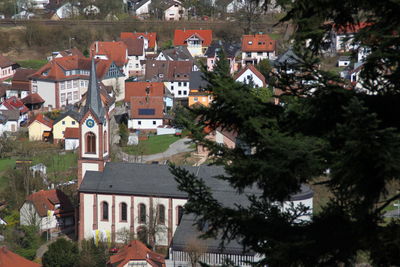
{"x": 198, "y": 97}
{"x": 40, "y": 128}
{"x": 68, "y": 119}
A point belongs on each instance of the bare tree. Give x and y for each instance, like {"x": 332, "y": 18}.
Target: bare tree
{"x": 195, "y": 248}
{"x": 249, "y": 14}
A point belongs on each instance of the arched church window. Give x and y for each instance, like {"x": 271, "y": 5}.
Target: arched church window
{"x": 124, "y": 212}
{"x": 179, "y": 213}
{"x": 104, "y": 211}
{"x": 91, "y": 143}
{"x": 142, "y": 213}
{"x": 161, "y": 214}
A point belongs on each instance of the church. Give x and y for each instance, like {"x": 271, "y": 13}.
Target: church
{"x": 143, "y": 199}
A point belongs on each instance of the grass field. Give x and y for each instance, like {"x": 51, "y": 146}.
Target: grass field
{"x": 32, "y": 64}
{"x": 153, "y": 145}
{"x": 6, "y": 163}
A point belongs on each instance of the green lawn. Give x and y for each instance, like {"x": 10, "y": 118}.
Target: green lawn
{"x": 56, "y": 162}
{"x": 6, "y": 163}
{"x": 275, "y": 36}
{"x": 32, "y": 63}
{"x": 153, "y": 145}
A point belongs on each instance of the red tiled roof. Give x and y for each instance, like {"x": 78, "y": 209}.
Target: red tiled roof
{"x": 5, "y": 62}
{"x": 72, "y": 52}
{"x": 13, "y": 103}
{"x": 11, "y": 259}
{"x": 45, "y": 200}
{"x": 252, "y": 69}
{"x": 139, "y": 89}
{"x": 181, "y": 36}
{"x": 115, "y": 51}
{"x": 20, "y": 80}
{"x": 258, "y": 43}
{"x": 54, "y": 70}
{"x": 71, "y": 133}
{"x": 350, "y": 28}
{"x": 135, "y": 46}
{"x": 32, "y": 99}
{"x": 151, "y": 36}
{"x": 140, "y": 103}
{"x": 42, "y": 119}
{"x": 136, "y": 250}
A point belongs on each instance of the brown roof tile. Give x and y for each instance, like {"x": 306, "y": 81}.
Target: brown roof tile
{"x": 139, "y": 89}
{"x": 71, "y": 133}
{"x": 5, "y": 62}
{"x": 45, "y": 200}
{"x": 32, "y": 99}
{"x": 151, "y": 36}
{"x": 135, "y": 46}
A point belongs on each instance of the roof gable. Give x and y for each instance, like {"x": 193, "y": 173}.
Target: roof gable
{"x": 254, "y": 70}
{"x": 151, "y": 36}
{"x": 181, "y": 36}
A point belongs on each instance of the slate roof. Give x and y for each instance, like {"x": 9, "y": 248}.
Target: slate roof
{"x": 136, "y": 250}
{"x": 230, "y": 49}
{"x": 344, "y": 58}
{"x": 177, "y": 53}
{"x": 93, "y": 99}
{"x": 288, "y": 58}
{"x": 11, "y": 115}
{"x": 196, "y": 80}
{"x": 258, "y": 43}
{"x": 180, "y": 36}
{"x": 72, "y": 113}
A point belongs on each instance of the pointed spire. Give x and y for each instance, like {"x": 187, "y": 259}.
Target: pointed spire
{"x": 93, "y": 100}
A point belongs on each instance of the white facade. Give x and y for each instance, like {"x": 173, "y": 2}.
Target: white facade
{"x": 143, "y": 10}
{"x": 144, "y": 123}
{"x": 9, "y": 126}
{"x": 6, "y": 73}
{"x": 71, "y": 144}
{"x": 256, "y": 57}
{"x": 47, "y": 90}
{"x": 134, "y": 66}
{"x": 132, "y": 221}
{"x": 343, "y": 62}
{"x": 11, "y": 93}
{"x": 29, "y": 216}
{"x": 178, "y": 89}
{"x": 175, "y": 12}
{"x": 247, "y": 76}
{"x": 71, "y": 91}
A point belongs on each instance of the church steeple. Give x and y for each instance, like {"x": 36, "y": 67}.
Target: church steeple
{"x": 93, "y": 100}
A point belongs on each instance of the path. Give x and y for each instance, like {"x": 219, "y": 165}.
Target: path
{"x": 177, "y": 147}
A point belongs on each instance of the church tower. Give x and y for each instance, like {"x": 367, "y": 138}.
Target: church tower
{"x": 94, "y": 129}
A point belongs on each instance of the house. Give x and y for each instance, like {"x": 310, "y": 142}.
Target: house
{"x": 38, "y": 4}
{"x": 39, "y": 170}
{"x": 197, "y": 41}
{"x": 288, "y": 62}
{"x": 136, "y": 55}
{"x": 147, "y": 108}
{"x": 256, "y": 48}
{"x": 11, "y": 259}
{"x": 178, "y": 53}
{"x": 13, "y": 103}
{"x": 344, "y": 61}
{"x": 140, "y": 89}
{"x": 149, "y": 38}
{"x": 65, "y": 53}
{"x": 117, "y": 52}
{"x": 91, "y": 10}
{"x": 33, "y": 101}
{"x": 65, "y": 11}
{"x": 68, "y": 119}
{"x": 9, "y": 121}
{"x": 174, "y": 10}
{"x": 136, "y": 254}
{"x": 4, "y": 87}
{"x": 250, "y": 74}
{"x": 7, "y": 68}
{"x": 231, "y": 50}
{"x": 174, "y": 74}
{"x": 71, "y": 138}
{"x": 140, "y": 8}
{"x": 50, "y": 210}
{"x": 40, "y": 128}
{"x": 64, "y": 80}
{"x": 198, "y": 93}
{"x": 343, "y": 36}
{"x": 23, "y": 15}
{"x": 20, "y": 83}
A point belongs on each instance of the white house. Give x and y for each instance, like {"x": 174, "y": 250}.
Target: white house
{"x": 257, "y": 47}
{"x": 197, "y": 41}
{"x": 140, "y": 8}
{"x": 7, "y": 68}
{"x": 250, "y": 75}
{"x": 344, "y": 61}
{"x": 50, "y": 210}
{"x": 9, "y": 121}
{"x": 175, "y": 11}
{"x": 66, "y": 11}
{"x": 71, "y": 138}
{"x": 136, "y": 55}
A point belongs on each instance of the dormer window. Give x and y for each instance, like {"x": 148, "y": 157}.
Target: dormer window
{"x": 68, "y": 73}
{"x": 161, "y": 75}
{"x": 45, "y": 73}
{"x": 250, "y": 42}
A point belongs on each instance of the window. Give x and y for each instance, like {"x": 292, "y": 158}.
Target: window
{"x": 75, "y": 83}
{"x": 172, "y": 87}
{"x": 248, "y": 54}
{"x": 105, "y": 143}
{"x": 76, "y": 95}
{"x": 69, "y": 84}
{"x": 63, "y": 122}
{"x": 196, "y": 99}
{"x": 104, "y": 211}
{"x": 62, "y": 97}
{"x": 179, "y": 84}
{"x": 179, "y": 213}
{"x": 69, "y": 96}
{"x": 185, "y": 84}
{"x": 185, "y": 92}
{"x": 73, "y": 122}
{"x": 154, "y": 122}
{"x": 142, "y": 213}
{"x": 34, "y": 89}
{"x": 179, "y": 92}
{"x": 137, "y": 65}
{"x": 259, "y": 53}
{"x": 90, "y": 143}
{"x": 124, "y": 212}
{"x": 139, "y": 122}
{"x": 161, "y": 214}
{"x": 62, "y": 85}
{"x": 82, "y": 83}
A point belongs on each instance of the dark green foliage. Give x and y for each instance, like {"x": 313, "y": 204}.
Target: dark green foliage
{"x": 23, "y": 240}
{"x": 124, "y": 134}
{"x": 61, "y": 253}
{"x": 92, "y": 255}
{"x": 319, "y": 125}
